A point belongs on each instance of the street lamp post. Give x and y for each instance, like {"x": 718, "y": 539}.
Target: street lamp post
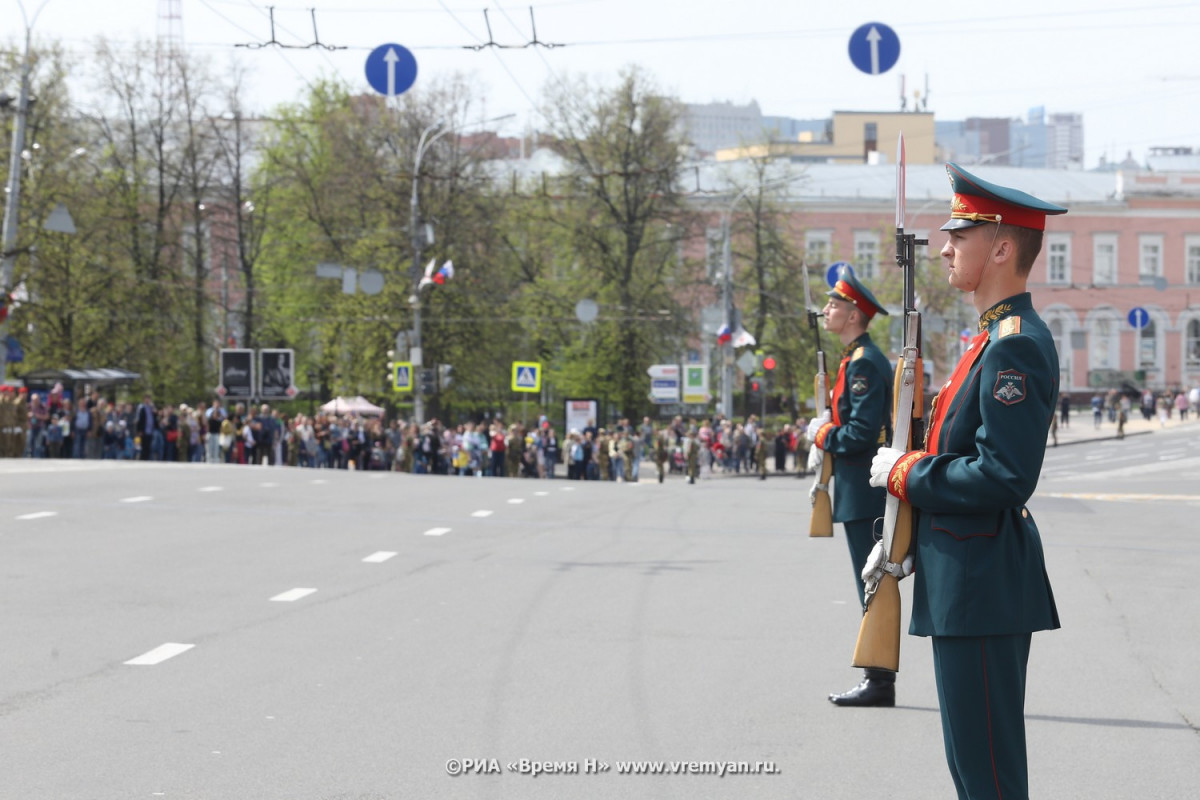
{"x": 12, "y": 205}
{"x": 415, "y": 230}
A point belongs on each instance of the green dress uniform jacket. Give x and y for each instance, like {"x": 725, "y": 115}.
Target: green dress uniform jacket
{"x": 862, "y": 414}
{"x": 980, "y": 569}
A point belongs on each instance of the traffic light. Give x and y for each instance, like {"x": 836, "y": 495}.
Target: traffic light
{"x": 769, "y": 363}
{"x": 445, "y": 375}
{"x": 427, "y": 381}
{"x": 756, "y": 386}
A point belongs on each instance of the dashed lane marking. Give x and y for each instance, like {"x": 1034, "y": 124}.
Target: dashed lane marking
{"x": 211, "y": 489}
{"x": 516, "y": 501}
{"x": 140, "y": 499}
{"x": 481, "y": 513}
{"x": 437, "y": 531}
{"x": 292, "y": 595}
{"x": 380, "y": 557}
{"x": 39, "y": 515}
{"x": 159, "y": 654}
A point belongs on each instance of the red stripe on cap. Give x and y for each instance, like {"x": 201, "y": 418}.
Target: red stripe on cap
{"x": 965, "y": 204}
{"x": 847, "y": 292}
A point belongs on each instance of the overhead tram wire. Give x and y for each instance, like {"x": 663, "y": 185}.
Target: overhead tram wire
{"x": 509, "y": 72}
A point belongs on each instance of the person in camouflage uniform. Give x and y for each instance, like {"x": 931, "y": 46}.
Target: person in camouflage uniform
{"x": 603, "y": 462}
{"x": 691, "y": 446}
{"x": 760, "y": 454}
{"x": 661, "y": 452}
{"x": 514, "y": 449}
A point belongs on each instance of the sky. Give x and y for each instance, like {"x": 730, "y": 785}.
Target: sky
{"x": 1130, "y": 68}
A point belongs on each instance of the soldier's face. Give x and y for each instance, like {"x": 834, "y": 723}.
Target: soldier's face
{"x": 966, "y": 253}
{"x": 837, "y": 314}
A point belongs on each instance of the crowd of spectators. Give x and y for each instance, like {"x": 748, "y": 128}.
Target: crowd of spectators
{"x": 93, "y": 427}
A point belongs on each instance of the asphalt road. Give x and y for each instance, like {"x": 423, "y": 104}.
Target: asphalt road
{"x": 350, "y": 635}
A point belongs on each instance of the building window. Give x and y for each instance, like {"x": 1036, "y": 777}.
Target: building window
{"x": 866, "y": 254}
{"x": 817, "y": 247}
{"x": 1192, "y": 345}
{"x": 1148, "y": 346}
{"x": 1150, "y": 264}
{"x": 1058, "y": 253}
{"x": 1104, "y": 259}
{"x": 1191, "y": 249}
{"x": 1062, "y": 345}
{"x": 1104, "y": 343}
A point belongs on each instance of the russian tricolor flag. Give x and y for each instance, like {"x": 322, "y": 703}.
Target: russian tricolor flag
{"x": 724, "y": 334}
{"x": 444, "y": 274}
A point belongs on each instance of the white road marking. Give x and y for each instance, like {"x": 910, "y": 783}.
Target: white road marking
{"x": 159, "y": 654}
{"x": 568, "y": 488}
{"x": 268, "y": 485}
{"x": 516, "y": 501}
{"x": 380, "y": 557}
{"x": 39, "y": 515}
{"x": 318, "y": 480}
{"x": 211, "y": 489}
{"x": 481, "y": 513}
{"x": 1123, "y": 498}
{"x": 292, "y": 595}
{"x": 540, "y": 494}
{"x": 139, "y": 499}
{"x": 437, "y": 531}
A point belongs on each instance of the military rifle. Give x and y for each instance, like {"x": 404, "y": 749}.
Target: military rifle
{"x": 821, "y": 521}
{"x": 878, "y": 643}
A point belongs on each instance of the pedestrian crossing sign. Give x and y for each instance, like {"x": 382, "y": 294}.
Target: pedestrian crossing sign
{"x": 402, "y": 376}
{"x": 526, "y": 376}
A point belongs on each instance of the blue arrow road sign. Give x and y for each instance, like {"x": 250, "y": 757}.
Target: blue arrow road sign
{"x": 874, "y": 48}
{"x": 831, "y": 274}
{"x": 391, "y": 69}
{"x": 1139, "y": 317}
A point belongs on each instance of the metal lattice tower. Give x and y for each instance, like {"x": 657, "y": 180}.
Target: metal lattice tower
{"x": 170, "y": 27}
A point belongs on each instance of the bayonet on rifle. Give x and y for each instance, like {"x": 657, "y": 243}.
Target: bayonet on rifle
{"x": 821, "y": 521}
{"x": 879, "y": 635}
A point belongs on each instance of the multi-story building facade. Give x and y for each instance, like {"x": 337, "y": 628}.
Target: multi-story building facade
{"x": 1118, "y": 278}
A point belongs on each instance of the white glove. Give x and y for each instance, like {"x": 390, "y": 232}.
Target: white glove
{"x": 881, "y": 465}
{"x": 815, "y": 458}
{"x": 873, "y": 571}
{"x": 815, "y": 424}
{"x": 816, "y": 488}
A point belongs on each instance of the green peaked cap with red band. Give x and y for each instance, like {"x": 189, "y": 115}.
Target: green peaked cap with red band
{"x": 978, "y": 202}
{"x": 849, "y": 288}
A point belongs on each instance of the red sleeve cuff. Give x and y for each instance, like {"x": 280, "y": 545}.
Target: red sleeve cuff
{"x": 822, "y": 433}
{"x": 898, "y": 477}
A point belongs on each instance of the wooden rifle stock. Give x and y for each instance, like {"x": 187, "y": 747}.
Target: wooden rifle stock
{"x": 821, "y": 522}
{"x": 878, "y": 645}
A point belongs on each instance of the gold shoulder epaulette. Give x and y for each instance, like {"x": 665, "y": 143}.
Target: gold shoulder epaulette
{"x": 1009, "y": 326}
{"x": 857, "y": 354}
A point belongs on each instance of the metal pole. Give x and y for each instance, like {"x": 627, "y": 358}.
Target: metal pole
{"x": 13, "y": 203}
{"x": 727, "y": 303}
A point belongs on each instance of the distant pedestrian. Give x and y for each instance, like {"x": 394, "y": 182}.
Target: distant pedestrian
{"x": 1065, "y": 416}
{"x": 1097, "y": 409}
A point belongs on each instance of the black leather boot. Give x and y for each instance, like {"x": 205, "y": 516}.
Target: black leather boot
{"x": 878, "y": 688}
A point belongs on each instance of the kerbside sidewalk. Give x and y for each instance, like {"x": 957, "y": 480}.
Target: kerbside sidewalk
{"x": 1081, "y": 428}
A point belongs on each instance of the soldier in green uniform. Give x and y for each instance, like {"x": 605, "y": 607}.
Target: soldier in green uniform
{"x": 691, "y": 446}
{"x": 760, "y": 454}
{"x": 661, "y": 451}
{"x": 7, "y": 415}
{"x": 980, "y": 588}
{"x": 603, "y": 460}
{"x": 514, "y": 450}
{"x": 858, "y": 421}
{"x": 626, "y": 447}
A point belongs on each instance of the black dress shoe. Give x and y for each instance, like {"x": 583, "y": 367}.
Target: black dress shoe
{"x": 871, "y": 692}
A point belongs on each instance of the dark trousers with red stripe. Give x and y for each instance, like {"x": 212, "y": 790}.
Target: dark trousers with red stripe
{"x": 981, "y": 691}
